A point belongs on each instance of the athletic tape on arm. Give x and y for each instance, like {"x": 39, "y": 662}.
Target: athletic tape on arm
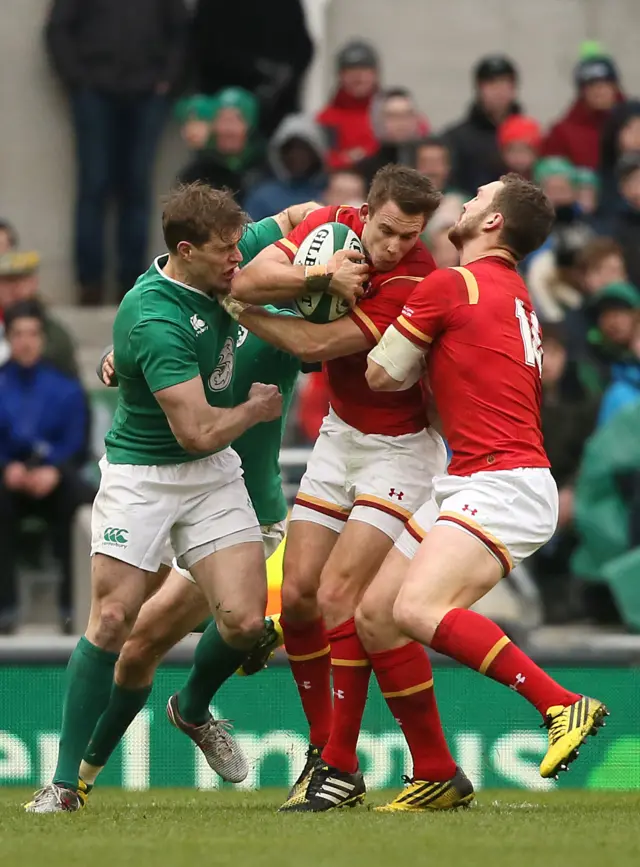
{"x": 399, "y": 357}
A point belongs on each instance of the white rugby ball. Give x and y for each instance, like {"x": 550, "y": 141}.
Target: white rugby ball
{"x": 317, "y": 249}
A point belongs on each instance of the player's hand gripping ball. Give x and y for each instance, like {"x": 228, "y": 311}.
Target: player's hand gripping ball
{"x": 319, "y": 248}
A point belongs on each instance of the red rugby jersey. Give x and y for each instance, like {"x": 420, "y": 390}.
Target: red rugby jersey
{"x": 390, "y": 413}
{"x": 484, "y": 363}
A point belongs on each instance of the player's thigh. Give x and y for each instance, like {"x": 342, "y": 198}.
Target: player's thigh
{"x": 306, "y": 552}
{"x": 354, "y": 562}
{"x": 215, "y": 512}
{"x": 234, "y": 583}
{"x": 396, "y": 478}
{"x": 133, "y": 512}
{"x": 374, "y": 615}
{"x": 451, "y": 569}
{"x": 165, "y": 619}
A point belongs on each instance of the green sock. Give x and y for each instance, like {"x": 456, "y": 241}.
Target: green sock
{"x": 89, "y": 682}
{"x": 124, "y": 706}
{"x": 214, "y": 661}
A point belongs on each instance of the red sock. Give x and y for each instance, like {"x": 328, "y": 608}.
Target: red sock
{"x": 406, "y": 682}
{"x": 476, "y": 641}
{"x": 307, "y": 646}
{"x": 351, "y": 671}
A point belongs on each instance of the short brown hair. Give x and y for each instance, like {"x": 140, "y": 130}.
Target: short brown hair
{"x": 596, "y": 251}
{"x": 408, "y": 189}
{"x": 527, "y": 213}
{"x": 193, "y": 212}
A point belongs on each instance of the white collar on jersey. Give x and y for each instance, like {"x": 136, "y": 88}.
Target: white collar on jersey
{"x": 156, "y": 262}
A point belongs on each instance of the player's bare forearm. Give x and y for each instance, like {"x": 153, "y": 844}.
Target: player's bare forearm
{"x": 269, "y": 279}
{"x": 198, "y": 427}
{"x": 308, "y": 341}
{"x": 291, "y": 217}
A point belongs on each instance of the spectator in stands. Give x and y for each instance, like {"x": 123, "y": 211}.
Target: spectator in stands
{"x": 345, "y": 187}
{"x": 398, "y": 126}
{"x": 587, "y": 185}
{"x": 576, "y": 136}
{"x": 19, "y": 282}
{"x": 624, "y": 224}
{"x": 600, "y": 263}
{"x": 624, "y": 387}
{"x": 436, "y": 234}
{"x": 433, "y": 160}
{"x": 8, "y": 237}
{"x": 264, "y": 48}
{"x": 473, "y": 142}
{"x": 614, "y": 313}
{"x": 346, "y": 120}
{"x": 222, "y": 131}
{"x": 118, "y": 72}
{"x": 568, "y": 417}
{"x": 519, "y": 140}
{"x": 43, "y": 443}
{"x": 296, "y": 155}
{"x": 620, "y": 138}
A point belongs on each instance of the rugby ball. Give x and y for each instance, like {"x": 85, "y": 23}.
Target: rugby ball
{"x": 317, "y": 249}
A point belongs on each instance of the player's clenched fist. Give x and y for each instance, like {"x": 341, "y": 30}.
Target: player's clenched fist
{"x": 349, "y": 273}
{"x": 266, "y": 400}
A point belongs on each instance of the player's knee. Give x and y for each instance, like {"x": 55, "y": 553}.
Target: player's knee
{"x": 415, "y": 620}
{"x": 112, "y": 624}
{"x": 137, "y": 662}
{"x": 299, "y": 598}
{"x": 242, "y": 629}
{"x": 375, "y": 626}
{"x": 337, "y": 598}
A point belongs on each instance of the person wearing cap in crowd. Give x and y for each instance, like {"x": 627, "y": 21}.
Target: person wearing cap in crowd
{"x": 222, "y": 130}
{"x": 43, "y": 446}
{"x": 18, "y": 283}
{"x": 587, "y": 183}
{"x": 620, "y": 136}
{"x": 473, "y": 140}
{"x": 118, "y": 73}
{"x": 623, "y": 225}
{"x": 519, "y": 140}
{"x": 576, "y": 136}
{"x": 613, "y": 314}
{"x": 398, "y": 126}
{"x": 346, "y": 120}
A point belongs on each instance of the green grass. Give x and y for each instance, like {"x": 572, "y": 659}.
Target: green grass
{"x": 179, "y": 827}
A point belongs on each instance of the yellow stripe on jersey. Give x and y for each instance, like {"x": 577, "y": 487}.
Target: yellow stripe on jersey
{"x": 471, "y": 283}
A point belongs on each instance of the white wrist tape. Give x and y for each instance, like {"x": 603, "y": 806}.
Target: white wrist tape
{"x": 399, "y": 357}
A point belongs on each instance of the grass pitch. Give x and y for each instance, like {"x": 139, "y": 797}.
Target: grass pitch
{"x": 175, "y": 827}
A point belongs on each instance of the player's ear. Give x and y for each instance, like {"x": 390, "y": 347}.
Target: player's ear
{"x": 184, "y": 249}
{"x": 493, "y": 221}
{"x": 364, "y": 212}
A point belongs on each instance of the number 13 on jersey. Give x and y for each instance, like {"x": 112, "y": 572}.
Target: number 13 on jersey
{"x": 531, "y": 336}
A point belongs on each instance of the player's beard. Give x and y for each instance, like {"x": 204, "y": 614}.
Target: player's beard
{"x": 466, "y": 229}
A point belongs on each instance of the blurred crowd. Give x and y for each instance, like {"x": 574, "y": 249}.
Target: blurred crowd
{"x": 131, "y": 68}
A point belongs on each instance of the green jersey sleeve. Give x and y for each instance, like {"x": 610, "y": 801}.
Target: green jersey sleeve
{"x": 165, "y": 352}
{"x": 257, "y": 236}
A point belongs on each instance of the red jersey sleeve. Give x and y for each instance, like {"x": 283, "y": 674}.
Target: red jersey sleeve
{"x": 373, "y": 315}
{"x": 290, "y": 244}
{"x": 430, "y": 307}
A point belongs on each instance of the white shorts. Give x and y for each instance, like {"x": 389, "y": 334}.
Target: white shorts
{"x": 379, "y": 480}
{"x": 272, "y": 536}
{"x": 202, "y": 506}
{"x": 512, "y": 512}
